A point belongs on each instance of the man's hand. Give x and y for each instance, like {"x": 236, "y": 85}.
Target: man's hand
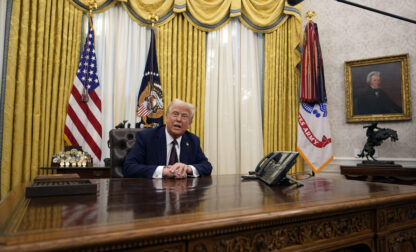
{"x": 168, "y": 172}
{"x": 177, "y": 170}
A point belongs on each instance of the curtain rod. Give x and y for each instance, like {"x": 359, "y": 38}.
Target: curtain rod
{"x": 378, "y": 11}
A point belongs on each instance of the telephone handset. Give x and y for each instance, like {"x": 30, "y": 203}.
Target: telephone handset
{"x": 271, "y": 157}
{"x": 273, "y": 167}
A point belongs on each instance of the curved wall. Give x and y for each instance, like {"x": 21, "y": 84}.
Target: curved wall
{"x": 350, "y": 33}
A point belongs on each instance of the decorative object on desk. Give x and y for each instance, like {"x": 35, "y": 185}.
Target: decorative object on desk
{"x": 107, "y": 162}
{"x": 122, "y": 125}
{"x": 57, "y": 177}
{"x": 375, "y": 136}
{"x": 73, "y": 158}
{"x": 60, "y": 184}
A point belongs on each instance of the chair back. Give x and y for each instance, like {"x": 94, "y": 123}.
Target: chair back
{"x": 121, "y": 141}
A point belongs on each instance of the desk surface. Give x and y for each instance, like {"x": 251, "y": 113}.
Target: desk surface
{"x": 165, "y": 211}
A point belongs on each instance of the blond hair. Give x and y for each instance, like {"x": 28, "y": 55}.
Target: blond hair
{"x": 177, "y": 102}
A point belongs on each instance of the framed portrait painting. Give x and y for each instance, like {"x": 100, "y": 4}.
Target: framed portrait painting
{"x": 378, "y": 89}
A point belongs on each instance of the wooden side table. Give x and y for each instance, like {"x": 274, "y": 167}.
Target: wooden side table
{"x": 394, "y": 175}
{"x": 83, "y": 172}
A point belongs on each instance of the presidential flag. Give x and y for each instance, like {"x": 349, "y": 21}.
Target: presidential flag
{"x": 150, "y": 98}
{"x": 314, "y": 142}
{"x": 83, "y": 120}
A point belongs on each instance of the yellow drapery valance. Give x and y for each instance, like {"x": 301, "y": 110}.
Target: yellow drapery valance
{"x": 206, "y": 15}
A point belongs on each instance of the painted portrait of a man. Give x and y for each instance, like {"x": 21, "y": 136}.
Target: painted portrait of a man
{"x": 377, "y": 89}
{"x": 373, "y": 99}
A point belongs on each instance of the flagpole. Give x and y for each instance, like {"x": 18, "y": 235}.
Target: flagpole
{"x": 153, "y": 18}
{"x": 84, "y": 118}
{"x": 92, "y": 4}
{"x": 313, "y": 134}
{"x": 310, "y": 14}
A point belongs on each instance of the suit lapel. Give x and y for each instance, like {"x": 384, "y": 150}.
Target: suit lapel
{"x": 161, "y": 142}
{"x": 185, "y": 149}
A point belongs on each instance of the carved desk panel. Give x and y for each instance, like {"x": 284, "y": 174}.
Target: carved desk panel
{"x": 218, "y": 213}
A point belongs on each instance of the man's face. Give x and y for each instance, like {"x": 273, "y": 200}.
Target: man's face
{"x": 375, "y": 81}
{"x": 178, "y": 120}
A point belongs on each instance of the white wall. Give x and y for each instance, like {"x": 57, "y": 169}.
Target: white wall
{"x": 350, "y": 33}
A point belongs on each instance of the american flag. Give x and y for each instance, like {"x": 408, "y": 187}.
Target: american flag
{"x": 83, "y": 120}
{"x": 79, "y": 214}
{"x": 142, "y": 110}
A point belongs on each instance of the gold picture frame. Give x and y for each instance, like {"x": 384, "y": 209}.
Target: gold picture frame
{"x": 378, "y": 89}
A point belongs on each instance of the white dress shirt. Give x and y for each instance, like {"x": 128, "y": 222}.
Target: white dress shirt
{"x": 159, "y": 170}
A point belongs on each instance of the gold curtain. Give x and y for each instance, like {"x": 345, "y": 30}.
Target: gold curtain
{"x": 281, "y": 85}
{"x": 141, "y": 12}
{"x": 44, "y": 44}
{"x": 101, "y": 5}
{"x": 181, "y": 57}
{"x": 206, "y": 15}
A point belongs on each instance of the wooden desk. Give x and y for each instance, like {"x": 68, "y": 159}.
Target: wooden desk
{"x": 395, "y": 175}
{"x": 83, "y": 172}
{"x": 219, "y": 213}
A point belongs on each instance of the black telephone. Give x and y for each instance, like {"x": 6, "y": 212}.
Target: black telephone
{"x": 273, "y": 168}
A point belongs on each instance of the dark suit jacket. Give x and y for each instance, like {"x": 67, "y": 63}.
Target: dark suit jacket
{"x": 149, "y": 151}
{"x": 370, "y": 103}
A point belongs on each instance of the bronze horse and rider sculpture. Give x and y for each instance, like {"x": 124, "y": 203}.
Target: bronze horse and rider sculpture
{"x": 375, "y": 136}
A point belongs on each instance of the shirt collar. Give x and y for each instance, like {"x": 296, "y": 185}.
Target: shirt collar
{"x": 169, "y": 138}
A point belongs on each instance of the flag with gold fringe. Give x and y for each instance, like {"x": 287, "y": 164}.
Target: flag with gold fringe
{"x": 150, "y": 99}
{"x": 314, "y": 142}
{"x": 83, "y": 120}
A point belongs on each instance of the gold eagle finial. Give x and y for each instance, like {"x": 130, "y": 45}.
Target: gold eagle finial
{"x": 153, "y": 18}
{"x": 92, "y": 4}
{"x": 309, "y": 15}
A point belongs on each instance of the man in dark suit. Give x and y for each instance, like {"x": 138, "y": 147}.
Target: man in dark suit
{"x": 374, "y": 100}
{"x": 155, "y": 155}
